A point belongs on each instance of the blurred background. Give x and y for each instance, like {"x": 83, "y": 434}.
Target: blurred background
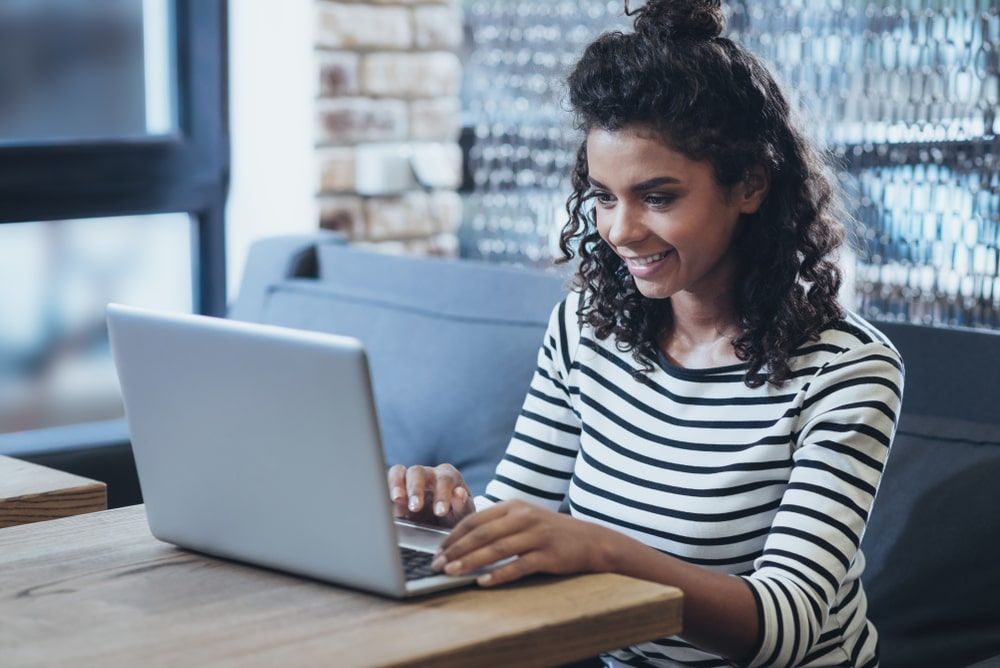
{"x": 82, "y": 84}
{"x": 145, "y": 144}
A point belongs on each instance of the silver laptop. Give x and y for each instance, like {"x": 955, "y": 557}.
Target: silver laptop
{"x": 261, "y": 444}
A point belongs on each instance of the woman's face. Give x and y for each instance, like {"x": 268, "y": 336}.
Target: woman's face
{"x": 664, "y": 214}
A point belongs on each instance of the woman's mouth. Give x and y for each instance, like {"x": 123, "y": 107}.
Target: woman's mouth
{"x": 646, "y": 265}
{"x": 647, "y": 260}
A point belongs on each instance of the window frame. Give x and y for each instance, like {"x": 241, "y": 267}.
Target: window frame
{"x": 186, "y": 171}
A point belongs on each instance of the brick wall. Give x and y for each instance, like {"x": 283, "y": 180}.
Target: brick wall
{"x": 389, "y": 73}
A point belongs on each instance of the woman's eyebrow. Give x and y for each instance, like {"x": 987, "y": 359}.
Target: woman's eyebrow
{"x": 643, "y": 186}
{"x": 656, "y": 182}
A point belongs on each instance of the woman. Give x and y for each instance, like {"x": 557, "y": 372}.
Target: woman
{"x": 710, "y": 414}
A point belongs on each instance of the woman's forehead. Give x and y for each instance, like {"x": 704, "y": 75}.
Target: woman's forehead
{"x": 632, "y": 144}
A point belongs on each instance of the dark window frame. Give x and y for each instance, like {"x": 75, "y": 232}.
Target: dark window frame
{"x": 186, "y": 171}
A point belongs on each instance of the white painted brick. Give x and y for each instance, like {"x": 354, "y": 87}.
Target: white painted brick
{"x": 354, "y": 120}
{"x": 438, "y": 27}
{"x": 437, "y": 119}
{"x": 338, "y": 73}
{"x": 336, "y": 169}
{"x": 401, "y": 217}
{"x": 431, "y": 74}
{"x": 415, "y": 214}
{"x": 438, "y": 245}
{"x": 388, "y": 72}
{"x": 341, "y": 25}
{"x": 447, "y": 208}
{"x": 384, "y": 247}
{"x": 413, "y": 3}
{"x": 444, "y": 245}
{"x": 447, "y": 174}
{"x": 343, "y": 214}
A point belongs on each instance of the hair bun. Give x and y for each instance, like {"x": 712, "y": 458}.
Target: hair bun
{"x": 680, "y": 19}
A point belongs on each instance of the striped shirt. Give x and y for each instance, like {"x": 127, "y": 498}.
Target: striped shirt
{"x": 771, "y": 484}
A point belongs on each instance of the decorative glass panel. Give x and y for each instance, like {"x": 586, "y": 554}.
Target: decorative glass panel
{"x": 905, "y": 94}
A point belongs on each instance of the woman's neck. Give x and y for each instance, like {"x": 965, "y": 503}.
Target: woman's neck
{"x": 700, "y": 334}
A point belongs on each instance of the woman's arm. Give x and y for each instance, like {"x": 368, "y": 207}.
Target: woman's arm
{"x": 720, "y": 611}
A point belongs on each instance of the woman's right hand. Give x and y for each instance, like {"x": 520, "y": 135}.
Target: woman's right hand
{"x": 430, "y": 495}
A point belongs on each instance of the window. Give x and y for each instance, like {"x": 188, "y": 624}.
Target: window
{"x": 114, "y": 162}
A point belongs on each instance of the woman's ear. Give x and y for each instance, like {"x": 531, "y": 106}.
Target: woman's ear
{"x": 755, "y": 186}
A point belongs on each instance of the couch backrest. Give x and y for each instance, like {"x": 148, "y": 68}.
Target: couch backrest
{"x": 932, "y": 576}
{"x": 452, "y": 344}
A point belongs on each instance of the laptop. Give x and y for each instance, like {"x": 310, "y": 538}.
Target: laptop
{"x": 261, "y": 444}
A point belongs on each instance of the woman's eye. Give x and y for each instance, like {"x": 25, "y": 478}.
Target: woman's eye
{"x": 602, "y": 197}
{"x": 659, "y": 200}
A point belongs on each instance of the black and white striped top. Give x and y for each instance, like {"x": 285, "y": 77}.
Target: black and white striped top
{"x": 770, "y": 484}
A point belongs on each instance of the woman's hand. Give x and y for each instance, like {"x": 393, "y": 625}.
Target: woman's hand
{"x": 544, "y": 541}
{"x": 431, "y": 495}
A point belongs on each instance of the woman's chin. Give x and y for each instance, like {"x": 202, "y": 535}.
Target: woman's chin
{"x": 652, "y": 290}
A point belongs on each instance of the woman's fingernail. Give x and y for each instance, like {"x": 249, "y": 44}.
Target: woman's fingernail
{"x": 441, "y": 508}
{"x": 453, "y": 568}
{"x": 438, "y": 562}
{"x": 414, "y": 502}
{"x": 397, "y": 493}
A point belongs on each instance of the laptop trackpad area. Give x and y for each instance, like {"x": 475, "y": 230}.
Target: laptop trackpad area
{"x": 426, "y": 538}
{"x": 419, "y": 536}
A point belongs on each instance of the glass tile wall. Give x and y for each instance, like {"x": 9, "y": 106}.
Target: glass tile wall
{"x": 903, "y": 93}
{"x": 523, "y": 144}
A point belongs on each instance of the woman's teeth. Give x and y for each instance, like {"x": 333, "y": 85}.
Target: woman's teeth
{"x": 649, "y": 259}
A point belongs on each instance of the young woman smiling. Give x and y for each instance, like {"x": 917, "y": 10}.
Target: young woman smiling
{"x": 709, "y": 413}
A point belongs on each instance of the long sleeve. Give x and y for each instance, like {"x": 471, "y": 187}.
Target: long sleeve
{"x": 539, "y": 461}
{"x": 809, "y": 568}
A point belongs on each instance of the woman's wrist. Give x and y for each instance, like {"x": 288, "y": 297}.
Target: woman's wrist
{"x": 607, "y": 548}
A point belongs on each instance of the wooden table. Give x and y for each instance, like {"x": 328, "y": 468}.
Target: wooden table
{"x": 32, "y": 493}
{"x": 99, "y": 590}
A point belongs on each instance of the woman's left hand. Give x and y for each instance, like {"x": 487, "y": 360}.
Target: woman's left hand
{"x": 544, "y": 541}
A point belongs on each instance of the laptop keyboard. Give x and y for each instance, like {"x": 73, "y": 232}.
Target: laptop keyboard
{"x": 416, "y": 563}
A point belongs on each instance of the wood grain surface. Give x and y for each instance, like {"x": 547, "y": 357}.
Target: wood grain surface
{"x": 99, "y": 590}
{"x": 33, "y": 493}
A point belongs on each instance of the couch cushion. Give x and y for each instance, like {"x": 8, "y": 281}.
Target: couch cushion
{"x": 932, "y": 578}
{"x": 452, "y": 346}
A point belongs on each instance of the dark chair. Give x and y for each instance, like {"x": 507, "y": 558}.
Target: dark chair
{"x": 933, "y": 574}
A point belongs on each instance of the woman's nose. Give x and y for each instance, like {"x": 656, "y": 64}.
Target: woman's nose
{"x": 625, "y": 226}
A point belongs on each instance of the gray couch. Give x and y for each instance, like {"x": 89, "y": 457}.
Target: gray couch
{"x": 453, "y": 344}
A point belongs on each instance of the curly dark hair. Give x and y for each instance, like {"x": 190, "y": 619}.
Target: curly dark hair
{"x": 711, "y": 100}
